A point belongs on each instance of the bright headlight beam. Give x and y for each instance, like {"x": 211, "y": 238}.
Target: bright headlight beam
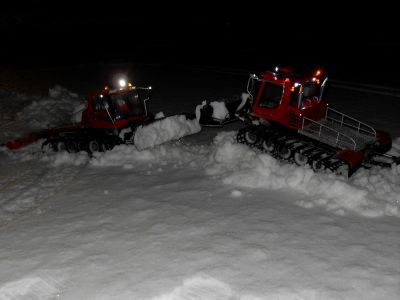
{"x": 122, "y": 83}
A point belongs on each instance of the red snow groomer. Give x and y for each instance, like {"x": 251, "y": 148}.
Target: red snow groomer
{"x": 288, "y": 116}
{"x": 110, "y": 118}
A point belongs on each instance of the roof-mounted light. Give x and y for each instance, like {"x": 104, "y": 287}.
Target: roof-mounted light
{"x": 318, "y": 73}
{"x": 122, "y": 83}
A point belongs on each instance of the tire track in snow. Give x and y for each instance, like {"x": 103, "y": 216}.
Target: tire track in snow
{"x": 28, "y": 186}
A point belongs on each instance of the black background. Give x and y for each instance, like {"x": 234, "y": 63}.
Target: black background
{"x": 358, "y": 43}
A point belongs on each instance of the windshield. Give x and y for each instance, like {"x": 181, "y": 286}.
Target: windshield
{"x": 120, "y": 104}
{"x": 311, "y": 90}
{"x": 271, "y": 95}
{"x": 127, "y": 103}
{"x": 300, "y": 97}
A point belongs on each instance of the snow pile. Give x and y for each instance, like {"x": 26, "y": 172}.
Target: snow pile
{"x": 51, "y": 111}
{"x": 11, "y": 103}
{"x": 31, "y": 287}
{"x": 159, "y": 115}
{"x": 371, "y": 193}
{"x": 64, "y": 158}
{"x": 130, "y": 157}
{"x": 159, "y": 132}
{"x": 203, "y": 287}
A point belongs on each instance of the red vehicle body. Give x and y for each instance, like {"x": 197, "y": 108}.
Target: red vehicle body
{"x": 290, "y": 118}
{"x": 277, "y": 99}
{"x": 115, "y": 109}
{"x": 107, "y": 113}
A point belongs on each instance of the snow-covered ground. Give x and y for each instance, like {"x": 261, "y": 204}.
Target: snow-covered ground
{"x": 198, "y": 218}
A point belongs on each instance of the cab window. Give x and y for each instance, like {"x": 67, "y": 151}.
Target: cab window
{"x": 271, "y": 95}
{"x": 98, "y": 102}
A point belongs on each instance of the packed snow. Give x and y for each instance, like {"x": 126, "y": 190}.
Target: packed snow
{"x": 164, "y": 130}
{"x": 370, "y": 193}
{"x": 176, "y": 219}
{"x": 28, "y": 113}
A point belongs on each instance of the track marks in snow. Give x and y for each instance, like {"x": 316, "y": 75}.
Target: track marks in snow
{"x": 200, "y": 288}
{"x": 33, "y": 288}
{"x": 24, "y": 186}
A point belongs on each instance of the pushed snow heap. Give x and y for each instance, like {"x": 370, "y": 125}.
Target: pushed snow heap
{"x": 164, "y": 130}
{"x": 370, "y": 193}
{"x": 52, "y": 111}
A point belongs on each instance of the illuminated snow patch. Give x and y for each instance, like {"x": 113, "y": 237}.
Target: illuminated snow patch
{"x": 159, "y": 132}
{"x": 129, "y": 157}
{"x": 371, "y": 193}
{"x": 200, "y": 287}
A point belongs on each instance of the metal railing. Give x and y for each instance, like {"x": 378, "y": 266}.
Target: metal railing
{"x": 327, "y": 134}
{"x": 347, "y": 121}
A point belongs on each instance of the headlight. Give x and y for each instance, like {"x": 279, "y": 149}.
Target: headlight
{"x": 122, "y": 83}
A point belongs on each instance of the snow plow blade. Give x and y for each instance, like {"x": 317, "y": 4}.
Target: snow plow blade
{"x": 165, "y": 129}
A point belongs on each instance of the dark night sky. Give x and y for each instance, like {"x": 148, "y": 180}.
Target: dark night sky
{"x": 247, "y": 35}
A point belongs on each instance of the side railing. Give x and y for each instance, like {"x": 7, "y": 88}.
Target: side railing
{"x": 342, "y": 120}
{"x": 321, "y": 132}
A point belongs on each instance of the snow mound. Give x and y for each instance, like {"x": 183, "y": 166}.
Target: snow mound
{"x": 31, "y": 288}
{"x": 22, "y": 114}
{"x": 370, "y": 193}
{"x": 159, "y": 132}
{"x": 130, "y": 157}
{"x": 202, "y": 288}
{"x": 50, "y": 111}
{"x": 64, "y": 158}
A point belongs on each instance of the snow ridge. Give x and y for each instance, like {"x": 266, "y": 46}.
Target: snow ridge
{"x": 371, "y": 193}
{"x": 164, "y": 130}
